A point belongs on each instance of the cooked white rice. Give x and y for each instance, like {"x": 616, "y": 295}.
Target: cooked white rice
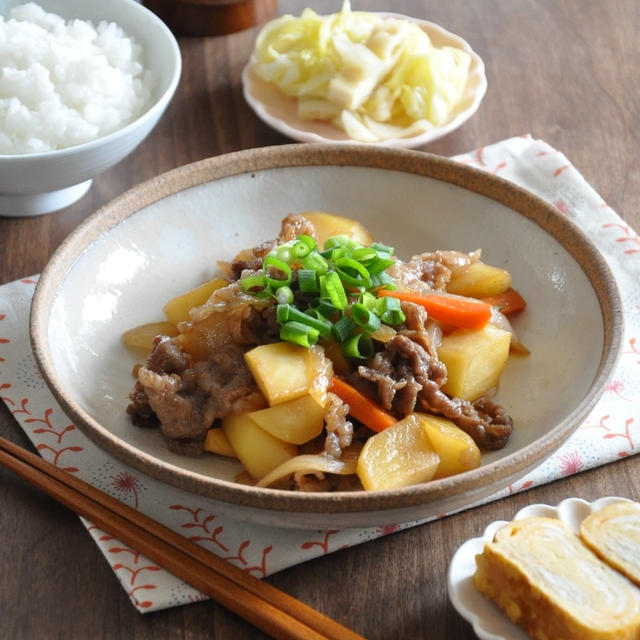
{"x": 65, "y": 83}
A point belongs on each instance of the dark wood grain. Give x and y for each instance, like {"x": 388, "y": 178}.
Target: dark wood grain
{"x": 565, "y": 72}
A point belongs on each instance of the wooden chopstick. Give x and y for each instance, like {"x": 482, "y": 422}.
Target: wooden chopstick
{"x": 258, "y": 602}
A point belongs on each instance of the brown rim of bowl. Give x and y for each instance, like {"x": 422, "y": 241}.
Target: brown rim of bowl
{"x": 574, "y": 241}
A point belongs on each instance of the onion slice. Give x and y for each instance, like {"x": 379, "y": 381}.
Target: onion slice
{"x": 312, "y": 464}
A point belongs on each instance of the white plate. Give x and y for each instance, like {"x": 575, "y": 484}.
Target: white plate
{"x": 488, "y": 621}
{"x": 280, "y": 111}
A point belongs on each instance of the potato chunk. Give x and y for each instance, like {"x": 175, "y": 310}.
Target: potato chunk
{"x": 142, "y": 336}
{"x": 456, "y": 448}
{"x": 329, "y": 224}
{"x": 474, "y": 358}
{"x": 281, "y": 370}
{"x": 399, "y": 456}
{"x": 479, "y": 280}
{"x": 258, "y": 450}
{"x": 216, "y": 442}
{"x": 296, "y": 421}
{"x": 177, "y": 309}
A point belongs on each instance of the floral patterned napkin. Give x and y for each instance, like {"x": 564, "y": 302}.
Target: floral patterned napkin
{"x": 611, "y": 432}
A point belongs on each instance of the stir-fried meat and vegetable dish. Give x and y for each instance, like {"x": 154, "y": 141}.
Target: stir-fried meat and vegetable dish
{"x": 322, "y": 361}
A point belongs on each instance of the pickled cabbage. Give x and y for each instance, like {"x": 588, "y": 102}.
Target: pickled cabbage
{"x": 374, "y": 77}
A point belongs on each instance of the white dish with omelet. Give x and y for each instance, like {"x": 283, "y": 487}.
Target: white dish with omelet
{"x": 488, "y": 621}
{"x": 375, "y": 77}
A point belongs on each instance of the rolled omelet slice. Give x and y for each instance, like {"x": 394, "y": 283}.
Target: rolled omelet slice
{"x": 550, "y": 584}
{"x": 613, "y": 533}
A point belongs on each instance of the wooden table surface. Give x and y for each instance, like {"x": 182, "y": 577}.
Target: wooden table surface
{"x": 566, "y": 72}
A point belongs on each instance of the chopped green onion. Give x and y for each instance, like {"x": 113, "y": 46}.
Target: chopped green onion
{"x": 325, "y": 307}
{"x": 380, "y": 264}
{"x": 282, "y": 313}
{"x": 283, "y": 252}
{"x": 315, "y": 262}
{"x": 272, "y": 262}
{"x": 370, "y": 301}
{"x": 284, "y": 295}
{"x": 254, "y": 283}
{"x": 334, "y": 253}
{"x": 331, "y": 287}
{"x": 308, "y": 281}
{"x": 300, "y": 249}
{"x": 364, "y": 255}
{"x": 387, "y": 303}
{"x": 340, "y": 240}
{"x": 308, "y": 240}
{"x": 352, "y": 272}
{"x": 340, "y": 283}
{"x": 393, "y": 317}
{"x": 381, "y": 281}
{"x": 300, "y": 334}
{"x": 382, "y": 248}
{"x": 288, "y": 313}
{"x": 364, "y": 318}
{"x": 390, "y": 310}
{"x": 358, "y": 346}
{"x": 343, "y": 328}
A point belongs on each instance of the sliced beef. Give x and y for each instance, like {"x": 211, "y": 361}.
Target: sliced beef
{"x": 139, "y": 409}
{"x": 292, "y": 226}
{"x": 259, "y": 325}
{"x": 339, "y": 429}
{"x": 431, "y": 270}
{"x": 327, "y": 482}
{"x": 167, "y": 356}
{"x": 401, "y": 369}
{"x": 186, "y": 404}
{"x": 408, "y": 377}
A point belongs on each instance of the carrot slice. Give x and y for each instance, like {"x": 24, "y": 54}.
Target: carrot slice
{"x": 467, "y": 313}
{"x": 361, "y": 407}
{"x": 508, "y": 302}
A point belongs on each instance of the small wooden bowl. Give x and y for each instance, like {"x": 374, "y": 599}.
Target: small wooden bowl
{"x": 211, "y": 17}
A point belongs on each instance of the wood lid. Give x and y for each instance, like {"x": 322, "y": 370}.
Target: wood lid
{"x": 211, "y": 17}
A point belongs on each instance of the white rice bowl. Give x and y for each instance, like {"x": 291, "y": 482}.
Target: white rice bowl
{"x": 78, "y": 97}
{"x": 65, "y": 82}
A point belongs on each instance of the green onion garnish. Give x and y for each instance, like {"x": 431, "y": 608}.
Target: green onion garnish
{"x": 343, "y": 328}
{"x": 340, "y": 282}
{"x": 331, "y": 287}
{"x": 308, "y": 281}
{"x": 289, "y": 313}
{"x": 254, "y": 283}
{"x": 358, "y": 346}
{"x": 300, "y": 249}
{"x": 284, "y": 295}
{"x": 277, "y": 271}
{"x": 364, "y": 318}
{"x": 390, "y": 310}
{"x": 378, "y": 265}
{"x": 298, "y": 333}
{"x": 316, "y": 262}
{"x": 382, "y": 248}
{"x": 325, "y": 307}
{"x": 352, "y": 273}
{"x": 308, "y": 240}
{"x": 381, "y": 281}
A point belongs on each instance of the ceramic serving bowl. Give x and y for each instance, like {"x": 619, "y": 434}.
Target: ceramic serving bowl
{"x": 164, "y": 237}
{"x": 38, "y": 183}
{"x": 280, "y": 112}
